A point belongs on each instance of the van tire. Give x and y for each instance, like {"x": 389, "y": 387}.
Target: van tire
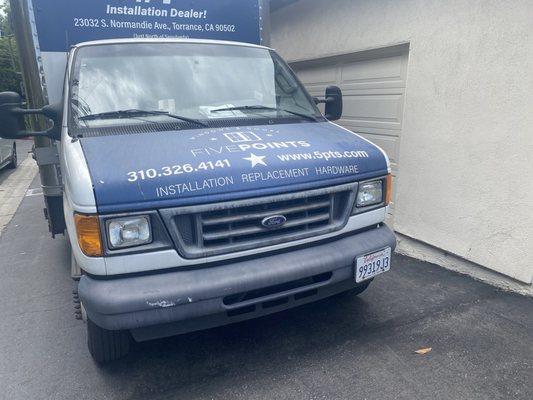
{"x": 14, "y": 159}
{"x": 105, "y": 345}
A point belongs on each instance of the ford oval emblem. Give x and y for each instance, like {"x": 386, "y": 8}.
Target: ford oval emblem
{"x": 273, "y": 221}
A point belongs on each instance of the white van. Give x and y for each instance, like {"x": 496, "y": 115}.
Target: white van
{"x": 209, "y": 192}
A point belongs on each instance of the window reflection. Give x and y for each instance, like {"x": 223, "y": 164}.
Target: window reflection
{"x": 186, "y": 79}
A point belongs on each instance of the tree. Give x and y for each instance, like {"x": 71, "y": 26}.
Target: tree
{"x": 10, "y": 78}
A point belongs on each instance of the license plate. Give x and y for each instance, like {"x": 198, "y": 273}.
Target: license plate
{"x": 372, "y": 264}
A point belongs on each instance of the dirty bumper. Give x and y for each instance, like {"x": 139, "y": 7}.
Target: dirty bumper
{"x": 177, "y": 302}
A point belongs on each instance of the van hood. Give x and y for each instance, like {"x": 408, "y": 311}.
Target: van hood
{"x": 177, "y": 168}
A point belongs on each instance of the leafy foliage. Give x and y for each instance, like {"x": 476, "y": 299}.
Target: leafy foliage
{"x": 10, "y": 78}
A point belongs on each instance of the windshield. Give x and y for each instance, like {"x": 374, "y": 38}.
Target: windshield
{"x": 150, "y": 83}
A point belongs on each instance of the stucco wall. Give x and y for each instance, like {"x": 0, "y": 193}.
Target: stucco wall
{"x": 466, "y": 151}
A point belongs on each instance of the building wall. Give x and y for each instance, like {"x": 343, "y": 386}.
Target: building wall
{"x": 466, "y": 150}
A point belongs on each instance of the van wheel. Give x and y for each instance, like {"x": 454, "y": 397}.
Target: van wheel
{"x": 14, "y": 161}
{"x": 105, "y": 345}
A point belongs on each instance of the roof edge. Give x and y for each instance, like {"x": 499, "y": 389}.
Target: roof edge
{"x": 167, "y": 40}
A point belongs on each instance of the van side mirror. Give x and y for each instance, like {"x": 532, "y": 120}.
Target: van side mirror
{"x": 12, "y": 124}
{"x": 333, "y": 102}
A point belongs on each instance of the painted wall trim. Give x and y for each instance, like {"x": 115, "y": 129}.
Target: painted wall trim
{"x": 426, "y": 252}
{"x": 361, "y": 53}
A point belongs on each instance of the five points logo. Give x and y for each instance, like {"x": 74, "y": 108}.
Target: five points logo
{"x": 242, "y": 137}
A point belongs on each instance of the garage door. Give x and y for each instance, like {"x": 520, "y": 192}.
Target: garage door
{"x": 373, "y": 86}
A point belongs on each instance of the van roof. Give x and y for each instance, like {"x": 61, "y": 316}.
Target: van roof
{"x": 166, "y": 40}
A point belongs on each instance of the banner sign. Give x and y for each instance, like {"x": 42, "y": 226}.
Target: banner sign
{"x": 63, "y": 23}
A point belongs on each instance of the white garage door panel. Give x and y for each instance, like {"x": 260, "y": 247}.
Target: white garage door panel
{"x": 374, "y": 127}
{"x": 320, "y": 75}
{"x": 388, "y": 69}
{"x": 373, "y": 87}
{"x": 378, "y": 108}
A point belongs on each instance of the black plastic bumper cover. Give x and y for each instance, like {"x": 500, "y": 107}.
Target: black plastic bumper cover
{"x": 189, "y": 300}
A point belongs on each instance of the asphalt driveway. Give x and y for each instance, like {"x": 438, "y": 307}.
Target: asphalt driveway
{"x": 341, "y": 348}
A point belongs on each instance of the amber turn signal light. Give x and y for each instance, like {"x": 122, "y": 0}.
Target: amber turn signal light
{"x": 388, "y": 189}
{"x": 88, "y": 232}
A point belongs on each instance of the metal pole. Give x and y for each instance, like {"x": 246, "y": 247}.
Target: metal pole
{"x": 36, "y": 98}
{"x": 13, "y": 65}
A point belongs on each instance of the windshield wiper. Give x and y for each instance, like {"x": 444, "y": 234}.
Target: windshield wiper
{"x": 259, "y": 108}
{"x": 132, "y": 113}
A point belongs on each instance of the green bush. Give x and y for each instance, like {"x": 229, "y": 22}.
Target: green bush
{"x": 10, "y": 78}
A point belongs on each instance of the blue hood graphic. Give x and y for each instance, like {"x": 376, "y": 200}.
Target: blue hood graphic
{"x": 168, "y": 169}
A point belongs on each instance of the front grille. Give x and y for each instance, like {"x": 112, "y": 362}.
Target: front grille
{"x": 256, "y": 294}
{"x": 236, "y": 226}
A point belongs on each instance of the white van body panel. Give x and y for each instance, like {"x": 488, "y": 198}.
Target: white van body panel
{"x": 78, "y": 195}
{"x": 92, "y": 265}
{"x": 77, "y": 181}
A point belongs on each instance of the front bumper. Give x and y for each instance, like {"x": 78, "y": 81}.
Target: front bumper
{"x": 176, "y": 302}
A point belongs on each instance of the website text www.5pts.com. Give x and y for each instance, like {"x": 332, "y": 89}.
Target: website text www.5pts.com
{"x": 323, "y": 155}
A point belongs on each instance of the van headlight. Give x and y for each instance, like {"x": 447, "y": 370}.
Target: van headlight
{"x": 129, "y": 231}
{"x": 369, "y": 193}
{"x": 373, "y": 194}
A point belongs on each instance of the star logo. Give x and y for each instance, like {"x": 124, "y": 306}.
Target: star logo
{"x": 255, "y": 160}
